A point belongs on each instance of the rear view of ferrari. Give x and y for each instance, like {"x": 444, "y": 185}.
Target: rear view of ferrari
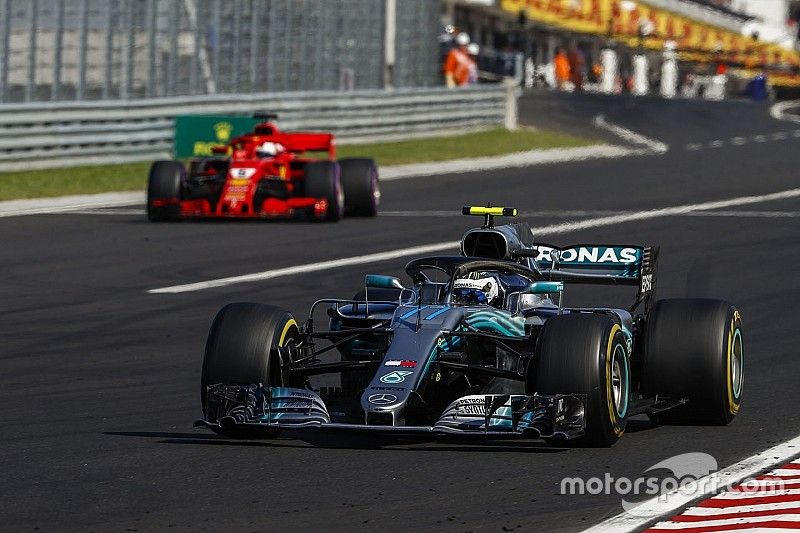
{"x": 480, "y": 344}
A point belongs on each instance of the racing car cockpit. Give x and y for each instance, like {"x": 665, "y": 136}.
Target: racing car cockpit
{"x": 474, "y": 281}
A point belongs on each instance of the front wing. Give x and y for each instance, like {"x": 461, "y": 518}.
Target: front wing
{"x": 555, "y": 416}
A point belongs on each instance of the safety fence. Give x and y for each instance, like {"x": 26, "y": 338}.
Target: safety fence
{"x": 62, "y": 50}
{"x": 48, "y": 135}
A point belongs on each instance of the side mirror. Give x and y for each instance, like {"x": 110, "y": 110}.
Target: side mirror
{"x": 382, "y": 282}
{"x": 219, "y": 149}
{"x": 546, "y": 287}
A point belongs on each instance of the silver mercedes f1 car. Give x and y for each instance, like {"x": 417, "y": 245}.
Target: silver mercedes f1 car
{"x": 479, "y": 344}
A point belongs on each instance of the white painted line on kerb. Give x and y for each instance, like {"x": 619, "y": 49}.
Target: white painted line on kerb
{"x": 667, "y": 505}
{"x": 552, "y": 229}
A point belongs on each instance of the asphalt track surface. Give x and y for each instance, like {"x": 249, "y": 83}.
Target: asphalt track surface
{"x": 100, "y": 379}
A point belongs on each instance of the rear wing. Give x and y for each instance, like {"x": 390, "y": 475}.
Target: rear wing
{"x": 303, "y": 141}
{"x": 606, "y": 264}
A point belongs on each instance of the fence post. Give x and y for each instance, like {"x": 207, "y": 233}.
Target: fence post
{"x": 255, "y": 10}
{"x": 389, "y": 52}
{"x": 172, "y": 62}
{"x": 6, "y": 53}
{"x": 125, "y": 90}
{"x": 30, "y": 87}
{"x": 58, "y": 43}
{"x": 83, "y": 22}
{"x": 107, "y": 78}
{"x": 512, "y": 91}
{"x": 236, "y": 45}
{"x": 151, "y": 48}
{"x": 215, "y": 58}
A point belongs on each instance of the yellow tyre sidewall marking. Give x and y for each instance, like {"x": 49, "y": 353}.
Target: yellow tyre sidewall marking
{"x": 286, "y": 327}
{"x": 733, "y": 332}
{"x": 612, "y": 412}
{"x": 282, "y": 339}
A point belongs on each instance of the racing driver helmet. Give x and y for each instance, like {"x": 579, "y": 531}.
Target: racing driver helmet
{"x": 479, "y": 288}
{"x": 269, "y": 149}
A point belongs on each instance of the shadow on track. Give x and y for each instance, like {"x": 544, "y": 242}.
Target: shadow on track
{"x": 333, "y": 441}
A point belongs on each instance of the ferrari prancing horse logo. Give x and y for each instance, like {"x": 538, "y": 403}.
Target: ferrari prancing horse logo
{"x": 398, "y": 376}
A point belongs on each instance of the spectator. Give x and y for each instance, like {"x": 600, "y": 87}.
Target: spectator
{"x": 577, "y": 64}
{"x": 561, "y": 63}
{"x": 473, "y": 50}
{"x": 457, "y": 63}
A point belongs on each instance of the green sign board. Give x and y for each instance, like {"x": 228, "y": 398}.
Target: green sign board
{"x": 195, "y": 135}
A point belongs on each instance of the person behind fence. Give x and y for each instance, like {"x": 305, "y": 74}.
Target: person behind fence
{"x": 473, "y": 50}
{"x": 457, "y": 64}
{"x": 561, "y": 63}
{"x": 577, "y": 66}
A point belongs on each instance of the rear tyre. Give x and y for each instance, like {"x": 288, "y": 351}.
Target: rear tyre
{"x": 362, "y": 193}
{"x": 693, "y": 349}
{"x": 585, "y": 354}
{"x": 164, "y": 190}
{"x": 322, "y": 180}
{"x": 242, "y": 349}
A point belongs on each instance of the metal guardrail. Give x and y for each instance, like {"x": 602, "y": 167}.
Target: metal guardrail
{"x": 46, "y": 135}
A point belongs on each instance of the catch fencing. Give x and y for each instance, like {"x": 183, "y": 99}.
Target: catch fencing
{"x": 47, "y": 135}
{"x": 61, "y": 50}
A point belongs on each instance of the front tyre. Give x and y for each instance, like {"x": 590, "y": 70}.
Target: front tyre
{"x": 242, "y": 349}
{"x": 362, "y": 193}
{"x": 322, "y": 180}
{"x": 164, "y": 190}
{"x": 585, "y": 354}
{"x": 694, "y": 350}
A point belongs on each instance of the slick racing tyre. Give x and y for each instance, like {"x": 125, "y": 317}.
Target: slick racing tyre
{"x": 164, "y": 190}
{"x": 242, "y": 349}
{"x": 322, "y": 179}
{"x": 586, "y": 354}
{"x": 693, "y": 349}
{"x": 362, "y": 193}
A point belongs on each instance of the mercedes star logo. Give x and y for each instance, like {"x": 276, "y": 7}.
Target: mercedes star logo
{"x": 382, "y": 399}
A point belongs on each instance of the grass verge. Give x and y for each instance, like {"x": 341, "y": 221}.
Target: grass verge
{"x": 133, "y": 176}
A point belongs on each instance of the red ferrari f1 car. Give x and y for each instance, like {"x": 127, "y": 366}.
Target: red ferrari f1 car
{"x": 265, "y": 174}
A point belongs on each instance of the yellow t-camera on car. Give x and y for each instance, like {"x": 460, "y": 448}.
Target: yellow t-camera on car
{"x": 489, "y": 213}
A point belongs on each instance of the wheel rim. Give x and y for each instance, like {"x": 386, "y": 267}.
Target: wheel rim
{"x": 619, "y": 379}
{"x": 737, "y": 363}
{"x": 376, "y": 192}
{"x": 339, "y": 199}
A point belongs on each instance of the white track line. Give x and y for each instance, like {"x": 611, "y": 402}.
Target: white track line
{"x": 445, "y": 213}
{"x": 552, "y": 229}
{"x": 311, "y": 267}
{"x": 742, "y": 214}
{"x": 67, "y": 204}
{"x": 780, "y": 111}
{"x": 652, "y": 145}
{"x": 659, "y": 506}
{"x": 514, "y": 160}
